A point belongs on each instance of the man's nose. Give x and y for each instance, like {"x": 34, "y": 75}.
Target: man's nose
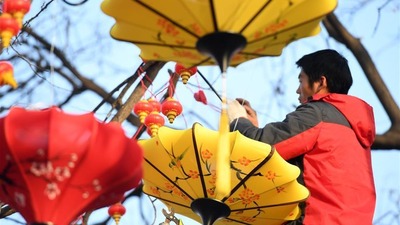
{"x": 298, "y": 90}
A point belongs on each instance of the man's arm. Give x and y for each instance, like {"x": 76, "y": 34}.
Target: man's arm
{"x": 292, "y": 137}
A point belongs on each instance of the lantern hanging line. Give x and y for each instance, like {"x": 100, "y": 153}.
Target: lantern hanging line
{"x": 210, "y": 85}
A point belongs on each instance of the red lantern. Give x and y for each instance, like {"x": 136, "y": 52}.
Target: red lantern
{"x": 154, "y": 121}
{"x": 55, "y": 166}
{"x": 17, "y": 8}
{"x": 116, "y": 211}
{"x": 184, "y": 72}
{"x": 155, "y": 104}
{"x": 8, "y": 28}
{"x": 142, "y": 109}
{"x": 6, "y": 74}
{"x": 171, "y": 108}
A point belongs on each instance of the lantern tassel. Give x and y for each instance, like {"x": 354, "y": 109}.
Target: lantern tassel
{"x": 223, "y": 182}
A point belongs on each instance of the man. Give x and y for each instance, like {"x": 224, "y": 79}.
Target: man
{"x": 328, "y": 137}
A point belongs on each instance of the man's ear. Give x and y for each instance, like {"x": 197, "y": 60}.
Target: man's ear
{"x": 323, "y": 82}
{"x": 322, "y": 85}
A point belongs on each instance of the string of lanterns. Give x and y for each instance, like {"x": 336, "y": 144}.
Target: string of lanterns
{"x": 12, "y": 15}
{"x": 11, "y": 19}
{"x": 148, "y": 111}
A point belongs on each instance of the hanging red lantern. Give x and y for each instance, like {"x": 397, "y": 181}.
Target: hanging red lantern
{"x": 142, "y": 109}
{"x": 154, "y": 121}
{"x": 155, "y": 104}
{"x": 116, "y": 211}
{"x": 171, "y": 108}
{"x": 184, "y": 72}
{"x": 56, "y": 166}
{"x": 8, "y": 28}
{"x": 17, "y": 8}
{"x": 6, "y": 74}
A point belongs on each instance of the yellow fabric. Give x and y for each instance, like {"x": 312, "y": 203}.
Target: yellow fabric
{"x": 171, "y": 28}
{"x": 223, "y": 183}
{"x": 180, "y": 166}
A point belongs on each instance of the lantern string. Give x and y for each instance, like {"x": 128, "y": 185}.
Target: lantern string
{"x": 212, "y": 106}
{"x": 149, "y": 88}
{"x": 138, "y": 131}
{"x": 171, "y": 86}
{"x": 210, "y": 85}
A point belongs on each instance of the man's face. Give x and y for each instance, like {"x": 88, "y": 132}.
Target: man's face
{"x": 305, "y": 90}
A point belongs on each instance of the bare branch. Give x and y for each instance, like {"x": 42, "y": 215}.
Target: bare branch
{"x": 390, "y": 139}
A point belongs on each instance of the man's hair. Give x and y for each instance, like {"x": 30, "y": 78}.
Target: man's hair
{"x": 332, "y": 65}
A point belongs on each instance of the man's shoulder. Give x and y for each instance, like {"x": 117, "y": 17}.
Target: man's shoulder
{"x": 327, "y": 111}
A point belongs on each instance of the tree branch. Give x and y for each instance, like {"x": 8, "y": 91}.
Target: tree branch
{"x": 390, "y": 139}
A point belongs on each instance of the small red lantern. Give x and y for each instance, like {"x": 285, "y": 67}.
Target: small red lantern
{"x": 154, "y": 121}
{"x": 171, "y": 108}
{"x": 6, "y": 74}
{"x": 116, "y": 211}
{"x": 17, "y": 8}
{"x": 184, "y": 72}
{"x": 156, "y": 104}
{"x": 8, "y": 28}
{"x": 142, "y": 109}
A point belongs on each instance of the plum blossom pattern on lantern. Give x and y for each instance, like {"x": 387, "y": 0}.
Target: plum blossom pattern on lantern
{"x": 53, "y": 174}
{"x": 247, "y": 196}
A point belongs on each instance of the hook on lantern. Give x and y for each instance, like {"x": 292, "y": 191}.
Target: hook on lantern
{"x": 185, "y": 73}
{"x": 170, "y": 217}
{"x": 116, "y": 211}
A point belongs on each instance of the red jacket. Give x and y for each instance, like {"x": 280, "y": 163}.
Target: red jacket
{"x": 329, "y": 138}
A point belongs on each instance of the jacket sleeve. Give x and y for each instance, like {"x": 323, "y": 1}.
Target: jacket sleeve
{"x": 292, "y": 137}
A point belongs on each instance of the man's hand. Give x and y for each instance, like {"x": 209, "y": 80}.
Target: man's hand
{"x": 235, "y": 110}
{"x": 251, "y": 113}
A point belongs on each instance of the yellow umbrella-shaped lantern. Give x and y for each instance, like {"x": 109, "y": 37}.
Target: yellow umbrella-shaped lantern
{"x": 180, "y": 170}
{"x": 194, "y": 32}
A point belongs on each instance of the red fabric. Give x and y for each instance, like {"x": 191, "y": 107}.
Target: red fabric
{"x": 57, "y": 166}
{"x": 200, "y": 97}
{"x": 344, "y": 192}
